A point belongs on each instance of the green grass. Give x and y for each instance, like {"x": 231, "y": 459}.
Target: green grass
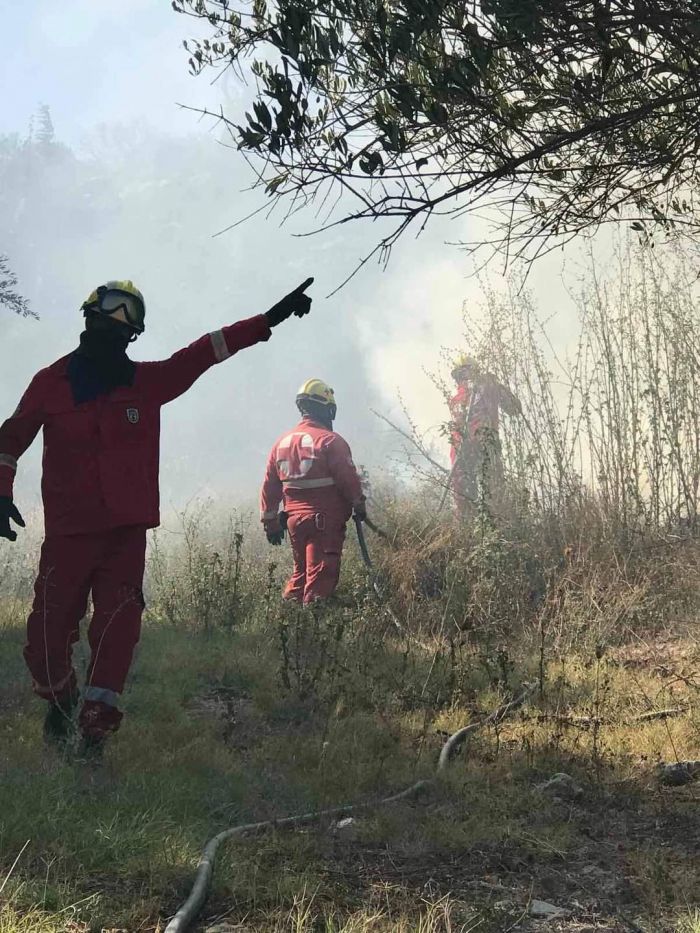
{"x": 213, "y": 737}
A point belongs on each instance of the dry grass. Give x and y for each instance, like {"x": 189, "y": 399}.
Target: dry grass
{"x": 242, "y": 709}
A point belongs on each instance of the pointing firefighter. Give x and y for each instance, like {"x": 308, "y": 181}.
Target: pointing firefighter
{"x": 311, "y": 469}
{"x": 475, "y": 448}
{"x": 100, "y": 414}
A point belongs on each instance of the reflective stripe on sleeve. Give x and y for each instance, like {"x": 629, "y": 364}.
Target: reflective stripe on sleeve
{"x": 218, "y": 342}
{"x": 8, "y": 461}
{"x": 264, "y": 516}
{"x": 308, "y": 483}
{"x": 102, "y": 695}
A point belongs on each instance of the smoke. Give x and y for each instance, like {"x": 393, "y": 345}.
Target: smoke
{"x": 131, "y": 187}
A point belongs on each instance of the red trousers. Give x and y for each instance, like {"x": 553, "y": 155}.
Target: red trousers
{"x": 109, "y": 565}
{"x": 317, "y": 546}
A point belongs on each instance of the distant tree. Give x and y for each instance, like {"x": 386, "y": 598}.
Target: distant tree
{"x": 9, "y": 298}
{"x": 44, "y": 132}
{"x": 549, "y": 116}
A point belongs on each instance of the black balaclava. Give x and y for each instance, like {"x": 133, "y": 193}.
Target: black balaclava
{"x": 100, "y": 363}
{"x": 317, "y": 412}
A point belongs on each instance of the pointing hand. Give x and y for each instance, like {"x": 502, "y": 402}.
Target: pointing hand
{"x": 295, "y": 302}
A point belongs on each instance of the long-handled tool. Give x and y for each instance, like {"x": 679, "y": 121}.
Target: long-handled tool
{"x": 381, "y": 596}
{"x": 378, "y": 531}
{"x": 363, "y": 547}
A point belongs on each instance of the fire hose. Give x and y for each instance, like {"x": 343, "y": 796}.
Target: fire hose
{"x": 205, "y": 869}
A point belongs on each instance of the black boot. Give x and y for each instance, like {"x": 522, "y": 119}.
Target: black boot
{"x": 59, "y": 725}
{"x": 91, "y": 749}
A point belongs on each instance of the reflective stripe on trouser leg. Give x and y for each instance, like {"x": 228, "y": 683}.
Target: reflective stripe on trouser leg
{"x": 55, "y": 689}
{"x": 60, "y": 601}
{"x": 102, "y": 695}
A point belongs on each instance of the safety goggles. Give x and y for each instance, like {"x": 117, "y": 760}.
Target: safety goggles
{"x": 123, "y": 307}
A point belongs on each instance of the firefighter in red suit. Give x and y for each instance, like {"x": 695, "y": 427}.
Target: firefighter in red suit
{"x": 100, "y": 414}
{"x": 311, "y": 469}
{"x": 475, "y": 447}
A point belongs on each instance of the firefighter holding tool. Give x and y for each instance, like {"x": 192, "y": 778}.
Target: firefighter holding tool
{"x": 311, "y": 469}
{"x": 475, "y": 446}
{"x": 100, "y": 415}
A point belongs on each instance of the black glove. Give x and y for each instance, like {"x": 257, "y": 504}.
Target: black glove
{"x": 274, "y": 532}
{"x": 8, "y": 510}
{"x": 360, "y": 510}
{"x": 295, "y": 302}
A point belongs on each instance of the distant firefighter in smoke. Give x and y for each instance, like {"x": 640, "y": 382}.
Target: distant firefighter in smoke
{"x": 475, "y": 448}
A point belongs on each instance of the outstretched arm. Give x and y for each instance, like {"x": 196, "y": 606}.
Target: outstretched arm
{"x": 170, "y": 378}
{"x": 507, "y": 401}
{"x": 16, "y": 434}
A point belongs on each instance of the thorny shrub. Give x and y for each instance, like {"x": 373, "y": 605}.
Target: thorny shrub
{"x": 589, "y": 541}
{"x": 204, "y": 580}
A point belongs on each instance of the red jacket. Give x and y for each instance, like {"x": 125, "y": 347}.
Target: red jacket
{"x": 312, "y": 469}
{"x": 476, "y": 405}
{"x": 100, "y": 463}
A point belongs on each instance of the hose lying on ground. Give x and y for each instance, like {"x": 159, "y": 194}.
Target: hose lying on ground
{"x": 189, "y": 910}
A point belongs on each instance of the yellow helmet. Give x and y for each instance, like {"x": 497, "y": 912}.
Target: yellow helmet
{"x": 318, "y": 391}
{"x": 120, "y": 300}
{"x": 463, "y": 361}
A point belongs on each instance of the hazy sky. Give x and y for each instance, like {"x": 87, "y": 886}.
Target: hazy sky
{"x": 96, "y": 61}
{"x": 121, "y": 62}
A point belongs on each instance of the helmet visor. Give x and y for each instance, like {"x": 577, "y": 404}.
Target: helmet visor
{"x": 123, "y": 306}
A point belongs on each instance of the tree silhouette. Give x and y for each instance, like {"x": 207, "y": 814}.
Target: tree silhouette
{"x": 9, "y": 297}
{"x": 548, "y": 117}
